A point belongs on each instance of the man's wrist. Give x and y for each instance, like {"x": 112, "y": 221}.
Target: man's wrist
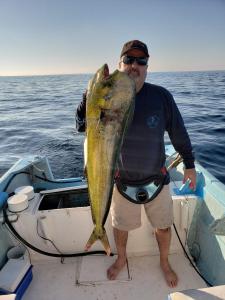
{"x": 189, "y": 164}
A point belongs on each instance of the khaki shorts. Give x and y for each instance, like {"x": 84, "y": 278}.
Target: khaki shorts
{"x": 127, "y": 215}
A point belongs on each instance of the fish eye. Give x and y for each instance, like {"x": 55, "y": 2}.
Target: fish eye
{"x": 107, "y": 97}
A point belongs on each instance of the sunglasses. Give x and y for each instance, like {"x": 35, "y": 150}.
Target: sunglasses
{"x": 129, "y": 60}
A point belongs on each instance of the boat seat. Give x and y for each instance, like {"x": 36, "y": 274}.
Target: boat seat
{"x": 210, "y": 293}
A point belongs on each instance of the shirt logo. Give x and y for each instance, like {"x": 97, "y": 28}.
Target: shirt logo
{"x": 153, "y": 121}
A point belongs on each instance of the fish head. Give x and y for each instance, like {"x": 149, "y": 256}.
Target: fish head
{"x": 110, "y": 93}
{"x": 99, "y": 86}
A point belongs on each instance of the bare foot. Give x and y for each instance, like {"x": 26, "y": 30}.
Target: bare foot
{"x": 115, "y": 268}
{"x": 169, "y": 274}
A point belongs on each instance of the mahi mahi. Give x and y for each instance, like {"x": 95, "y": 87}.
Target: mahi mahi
{"x": 110, "y": 105}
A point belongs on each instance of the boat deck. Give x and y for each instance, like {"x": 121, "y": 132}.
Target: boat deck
{"x": 85, "y": 278}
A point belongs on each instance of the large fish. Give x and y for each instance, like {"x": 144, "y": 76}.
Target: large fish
{"x": 110, "y": 104}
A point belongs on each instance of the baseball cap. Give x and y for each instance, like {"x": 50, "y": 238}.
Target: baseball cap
{"x": 134, "y": 44}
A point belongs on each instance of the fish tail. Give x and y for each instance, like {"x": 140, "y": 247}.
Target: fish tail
{"x": 102, "y": 237}
{"x": 105, "y": 242}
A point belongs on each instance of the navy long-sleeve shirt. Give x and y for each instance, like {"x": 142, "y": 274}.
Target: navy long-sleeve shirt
{"x": 143, "y": 151}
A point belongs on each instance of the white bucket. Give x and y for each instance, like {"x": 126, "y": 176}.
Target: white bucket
{"x": 26, "y": 190}
{"x": 16, "y": 252}
{"x": 17, "y": 203}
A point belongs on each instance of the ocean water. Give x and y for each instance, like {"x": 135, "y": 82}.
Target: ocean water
{"x": 37, "y": 117}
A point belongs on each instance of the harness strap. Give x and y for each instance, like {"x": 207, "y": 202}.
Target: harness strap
{"x": 142, "y": 193}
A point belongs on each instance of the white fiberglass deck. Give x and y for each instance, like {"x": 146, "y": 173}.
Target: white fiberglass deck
{"x": 85, "y": 278}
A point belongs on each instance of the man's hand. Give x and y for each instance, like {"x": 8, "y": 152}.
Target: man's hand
{"x": 191, "y": 175}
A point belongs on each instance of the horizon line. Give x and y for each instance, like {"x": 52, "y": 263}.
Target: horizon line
{"x": 91, "y": 73}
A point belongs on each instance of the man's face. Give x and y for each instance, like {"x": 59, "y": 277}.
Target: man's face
{"x": 134, "y": 70}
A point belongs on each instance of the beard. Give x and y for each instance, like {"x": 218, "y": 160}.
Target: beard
{"x": 138, "y": 78}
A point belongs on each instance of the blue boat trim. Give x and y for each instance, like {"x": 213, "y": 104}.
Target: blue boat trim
{"x": 23, "y": 285}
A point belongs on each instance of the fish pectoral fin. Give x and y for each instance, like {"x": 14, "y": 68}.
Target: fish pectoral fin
{"x": 102, "y": 237}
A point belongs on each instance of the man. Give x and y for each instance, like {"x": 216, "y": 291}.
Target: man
{"x": 143, "y": 156}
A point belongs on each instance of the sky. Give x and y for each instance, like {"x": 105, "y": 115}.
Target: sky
{"x": 39, "y": 37}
